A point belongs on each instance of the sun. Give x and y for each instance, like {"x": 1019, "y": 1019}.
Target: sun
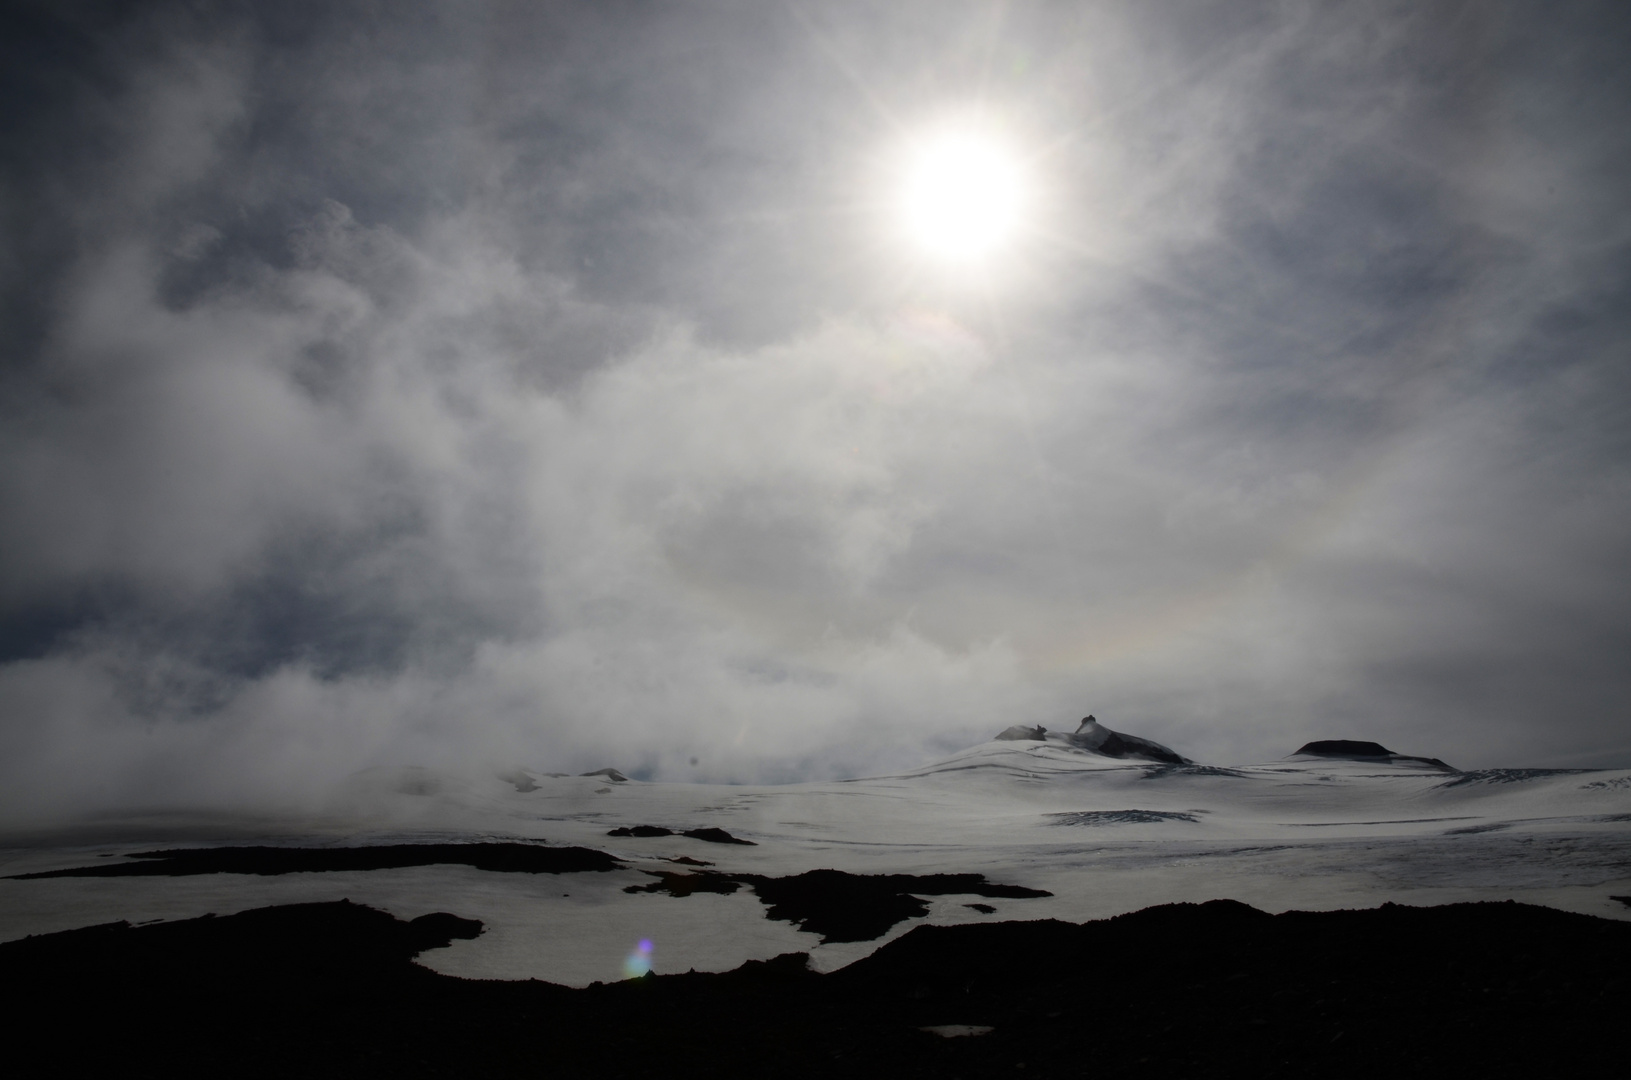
{"x": 961, "y": 196}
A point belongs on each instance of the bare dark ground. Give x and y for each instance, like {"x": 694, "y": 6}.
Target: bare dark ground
{"x": 1468, "y": 990}
{"x": 837, "y": 905}
{"x": 271, "y": 861}
{"x": 712, "y": 836}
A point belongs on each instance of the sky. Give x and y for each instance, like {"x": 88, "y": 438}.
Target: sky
{"x": 554, "y": 385}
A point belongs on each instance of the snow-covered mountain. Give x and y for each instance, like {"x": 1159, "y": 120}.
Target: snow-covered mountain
{"x": 1029, "y": 825}
{"x": 1095, "y": 738}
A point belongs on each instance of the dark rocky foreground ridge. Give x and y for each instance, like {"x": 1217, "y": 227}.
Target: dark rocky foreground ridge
{"x": 1218, "y": 989}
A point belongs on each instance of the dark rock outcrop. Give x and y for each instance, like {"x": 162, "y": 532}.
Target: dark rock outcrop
{"x": 709, "y": 835}
{"x": 1359, "y": 750}
{"x": 521, "y": 780}
{"x": 1091, "y": 735}
{"x": 1345, "y": 748}
{"x": 717, "y": 836}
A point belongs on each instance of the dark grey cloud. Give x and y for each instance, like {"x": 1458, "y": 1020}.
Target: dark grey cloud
{"x": 457, "y": 383}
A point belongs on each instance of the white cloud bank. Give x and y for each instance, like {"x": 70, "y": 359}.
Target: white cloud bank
{"x": 531, "y": 454}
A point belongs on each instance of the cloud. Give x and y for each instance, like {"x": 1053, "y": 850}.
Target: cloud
{"x": 456, "y": 388}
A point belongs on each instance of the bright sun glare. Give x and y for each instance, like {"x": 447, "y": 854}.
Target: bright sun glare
{"x": 962, "y": 195}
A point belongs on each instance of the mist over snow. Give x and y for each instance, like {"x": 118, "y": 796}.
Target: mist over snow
{"x": 470, "y": 385}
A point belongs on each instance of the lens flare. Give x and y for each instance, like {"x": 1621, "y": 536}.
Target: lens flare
{"x": 639, "y": 961}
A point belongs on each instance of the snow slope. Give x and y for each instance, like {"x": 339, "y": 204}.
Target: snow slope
{"x": 1103, "y": 834}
